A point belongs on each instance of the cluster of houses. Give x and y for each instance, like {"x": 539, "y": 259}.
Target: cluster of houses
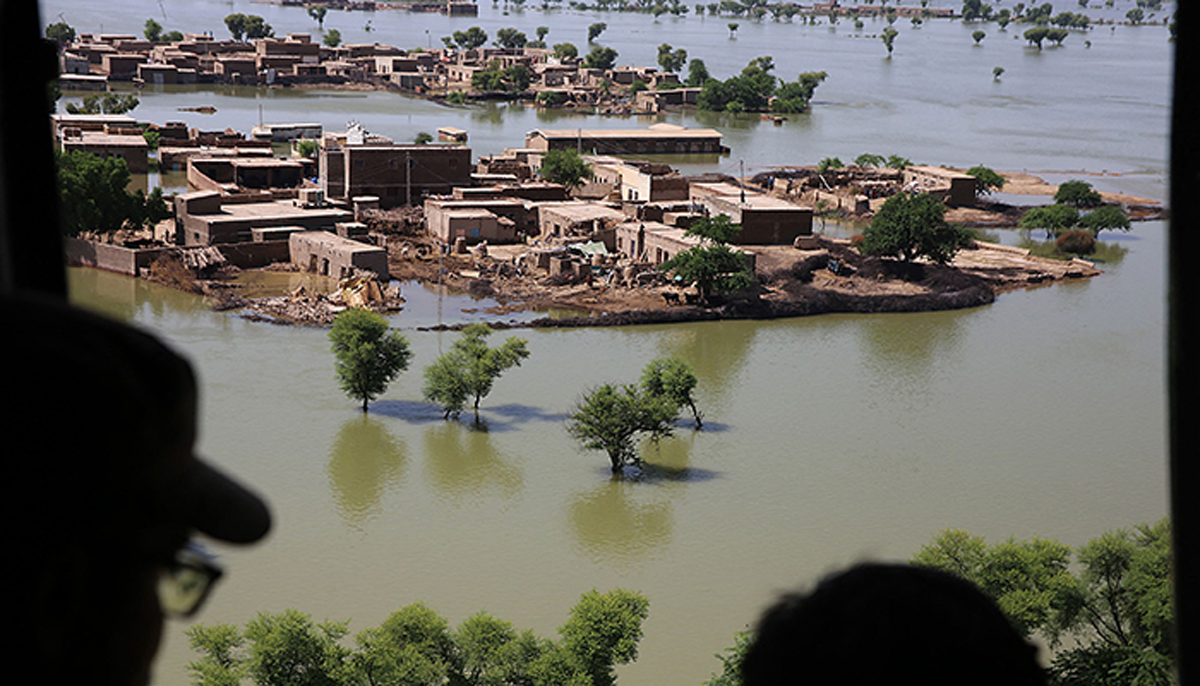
{"x": 94, "y": 61}
{"x": 250, "y": 207}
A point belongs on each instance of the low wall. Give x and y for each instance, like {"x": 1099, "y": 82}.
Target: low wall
{"x": 113, "y": 258}
{"x": 250, "y": 255}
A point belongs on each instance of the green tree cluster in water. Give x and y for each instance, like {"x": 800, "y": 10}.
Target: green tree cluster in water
{"x": 756, "y": 89}
{"x": 416, "y": 646}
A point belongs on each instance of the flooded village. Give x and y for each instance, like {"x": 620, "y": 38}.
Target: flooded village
{"x": 352, "y": 204}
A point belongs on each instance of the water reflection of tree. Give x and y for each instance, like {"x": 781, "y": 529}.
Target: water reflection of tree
{"x": 715, "y": 350}
{"x": 902, "y": 351}
{"x": 462, "y": 460}
{"x": 629, "y": 516}
{"x": 364, "y": 460}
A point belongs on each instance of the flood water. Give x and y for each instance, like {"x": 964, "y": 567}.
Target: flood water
{"x": 827, "y": 440}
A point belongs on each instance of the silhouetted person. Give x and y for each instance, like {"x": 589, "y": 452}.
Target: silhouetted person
{"x": 100, "y": 425}
{"x": 889, "y": 625}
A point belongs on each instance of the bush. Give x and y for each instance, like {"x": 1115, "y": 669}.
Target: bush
{"x": 1076, "y": 241}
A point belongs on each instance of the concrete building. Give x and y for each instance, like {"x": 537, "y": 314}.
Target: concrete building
{"x": 231, "y": 174}
{"x": 659, "y": 138}
{"x": 955, "y": 188}
{"x": 496, "y": 220}
{"x": 655, "y": 242}
{"x": 396, "y": 174}
{"x": 577, "y": 219}
{"x": 207, "y": 218}
{"x": 639, "y": 180}
{"x": 328, "y": 254}
{"x": 765, "y": 220}
{"x": 131, "y": 147}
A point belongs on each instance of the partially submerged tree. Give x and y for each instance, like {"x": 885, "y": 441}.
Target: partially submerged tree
{"x": 1053, "y": 218}
{"x": 673, "y": 379}
{"x": 1105, "y": 217}
{"x": 594, "y": 30}
{"x": 671, "y": 59}
{"x": 912, "y": 225}
{"x": 367, "y": 355}
{"x": 318, "y": 12}
{"x": 888, "y": 36}
{"x": 110, "y": 102}
{"x": 612, "y": 419}
{"x": 600, "y": 57}
{"x": 465, "y": 374}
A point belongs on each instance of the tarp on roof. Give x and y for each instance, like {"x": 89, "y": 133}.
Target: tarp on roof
{"x": 590, "y": 248}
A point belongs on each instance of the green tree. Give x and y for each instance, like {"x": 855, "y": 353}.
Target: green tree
{"x": 61, "y": 33}
{"x": 220, "y": 647}
{"x": 712, "y": 266}
{"x": 671, "y": 59}
{"x": 600, "y": 57}
{"x": 471, "y": 38}
{"x": 978, "y": 35}
{"x": 106, "y": 103}
{"x": 829, "y": 164}
{"x": 257, "y": 27}
{"x": 986, "y": 180}
{"x": 1135, "y": 16}
{"x": 565, "y": 51}
{"x": 1053, "y": 218}
{"x": 731, "y": 660}
{"x": 898, "y": 162}
{"x": 318, "y": 12}
{"x": 332, "y": 39}
{"x": 673, "y": 379}
{"x": 565, "y": 167}
{"x": 511, "y": 38}
{"x": 869, "y": 160}
{"x": 1037, "y": 35}
{"x": 612, "y": 418}
{"x": 912, "y": 225}
{"x": 1077, "y": 193}
{"x": 173, "y": 36}
{"x": 794, "y": 97}
{"x": 604, "y": 630}
{"x": 423, "y": 138}
{"x": 152, "y": 30}
{"x": 290, "y": 649}
{"x": 236, "y": 23}
{"x": 93, "y": 195}
{"x": 733, "y": 27}
{"x": 997, "y": 72}
{"x": 1110, "y": 217}
{"x": 888, "y": 36}
{"x": 413, "y": 646}
{"x": 467, "y": 372}
{"x": 367, "y": 354}
{"x": 594, "y": 30}
{"x": 697, "y": 74}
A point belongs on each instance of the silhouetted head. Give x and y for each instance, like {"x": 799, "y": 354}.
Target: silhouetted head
{"x": 889, "y": 624}
{"x": 106, "y": 490}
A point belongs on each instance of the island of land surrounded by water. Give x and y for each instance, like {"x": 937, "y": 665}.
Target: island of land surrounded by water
{"x": 790, "y": 281}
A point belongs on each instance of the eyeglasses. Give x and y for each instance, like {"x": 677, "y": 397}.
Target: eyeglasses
{"x": 185, "y": 585}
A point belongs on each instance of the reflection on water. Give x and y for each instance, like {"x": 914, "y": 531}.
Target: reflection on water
{"x": 621, "y": 520}
{"x": 463, "y": 461}
{"x": 904, "y": 360}
{"x": 364, "y": 461}
{"x": 715, "y": 350}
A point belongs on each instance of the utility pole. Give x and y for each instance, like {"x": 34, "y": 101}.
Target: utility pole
{"x": 407, "y": 179}
{"x": 742, "y": 179}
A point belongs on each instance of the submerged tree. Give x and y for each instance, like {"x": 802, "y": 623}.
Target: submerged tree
{"x": 1077, "y": 193}
{"x": 673, "y": 379}
{"x": 467, "y": 372}
{"x": 367, "y": 354}
{"x": 612, "y": 419}
{"x": 889, "y": 38}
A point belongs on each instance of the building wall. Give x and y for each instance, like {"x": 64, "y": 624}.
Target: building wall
{"x": 324, "y": 253}
{"x": 383, "y": 171}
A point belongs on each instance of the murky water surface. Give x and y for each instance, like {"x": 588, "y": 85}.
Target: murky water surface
{"x": 828, "y": 439}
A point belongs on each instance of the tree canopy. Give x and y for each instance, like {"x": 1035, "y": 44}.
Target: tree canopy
{"x": 473, "y": 37}
{"x": 565, "y": 167}
{"x": 912, "y": 225}
{"x": 673, "y": 379}
{"x": 1077, "y": 193}
{"x": 93, "y": 195}
{"x": 1117, "y": 608}
{"x": 416, "y": 646}
{"x": 248, "y": 26}
{"x": 1110, "y": 217}
{"x": 62, "y": 33}
{"x": 712, "y": 266}
{"x": 600, "y": 57}
{"x": 466, "y": 373}
{"x": 594, "y": 30}
{"x": 1053, "y": 218}
{"x": 109, "y": 102}
{"x": 986, "y": 180}
{"x": 671, "y": 59}
{"x": 367, "y": 355}
{"x": 612, "y": 418}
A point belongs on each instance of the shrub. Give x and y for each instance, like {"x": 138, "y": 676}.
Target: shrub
{"x": 1076, "y": 241}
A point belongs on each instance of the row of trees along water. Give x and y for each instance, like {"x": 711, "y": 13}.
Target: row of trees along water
{"x": 1105, "y": 608}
